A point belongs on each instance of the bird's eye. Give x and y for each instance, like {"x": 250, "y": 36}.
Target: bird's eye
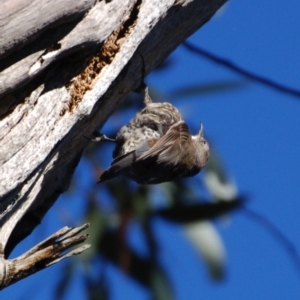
{"x": 153, "y": 126}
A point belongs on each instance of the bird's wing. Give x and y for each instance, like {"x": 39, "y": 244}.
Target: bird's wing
{"x": 118, "y": 166}
{"x": 165, "y": 151}
{"x": 168, "y": 148}
{"x": 122, "y": 163}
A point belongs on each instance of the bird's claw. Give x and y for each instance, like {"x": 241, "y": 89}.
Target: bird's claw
{"x": 99, "y": 137}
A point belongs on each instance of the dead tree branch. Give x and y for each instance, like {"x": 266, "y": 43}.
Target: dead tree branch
{"x": 64, "y": 68}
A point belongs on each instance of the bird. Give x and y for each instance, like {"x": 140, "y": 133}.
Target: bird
{"x": 152, "y": 122}
{"x": 156, "y": 146}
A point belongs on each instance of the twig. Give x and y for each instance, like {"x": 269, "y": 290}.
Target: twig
{"x": 43, "y": 255}
{"x": 277, "y": 234}
{"x": 228, "y": 64}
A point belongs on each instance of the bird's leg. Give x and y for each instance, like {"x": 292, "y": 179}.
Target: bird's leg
{"x": 143, "y": 88}
{"x": 146, "y": 96}
{"x": 99, "y": 137}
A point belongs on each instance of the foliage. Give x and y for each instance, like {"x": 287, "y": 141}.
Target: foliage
{"x": 118, "y": 206}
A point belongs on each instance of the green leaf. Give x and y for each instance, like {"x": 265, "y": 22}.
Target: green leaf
{"x": 209, "y": 246}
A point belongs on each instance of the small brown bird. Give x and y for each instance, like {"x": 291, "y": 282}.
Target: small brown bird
{"x": 156, "y": 146}
{"x": 152, "y": 122}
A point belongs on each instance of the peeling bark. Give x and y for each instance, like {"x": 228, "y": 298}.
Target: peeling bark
{"x": 43, "y": 255}
{"x": 64, "y": 68}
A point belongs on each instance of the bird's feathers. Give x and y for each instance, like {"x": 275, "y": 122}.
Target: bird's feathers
{"x": 165, "y": 151}
{"x": 168, "y": 148}
{"x": 156, "y": 146}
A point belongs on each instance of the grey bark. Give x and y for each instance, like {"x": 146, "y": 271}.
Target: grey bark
{"x": 64, "y": 68}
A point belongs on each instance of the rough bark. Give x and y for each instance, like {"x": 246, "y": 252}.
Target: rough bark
{"x": 64, "y": 67}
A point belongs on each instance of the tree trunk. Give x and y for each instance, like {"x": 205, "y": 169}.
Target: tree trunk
{"x": 65, "y": 66}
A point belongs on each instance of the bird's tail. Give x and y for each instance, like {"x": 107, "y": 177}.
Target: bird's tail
{"x": 119, "y": 166}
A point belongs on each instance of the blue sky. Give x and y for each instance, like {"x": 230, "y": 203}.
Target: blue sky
{"x": 255, "y": 130}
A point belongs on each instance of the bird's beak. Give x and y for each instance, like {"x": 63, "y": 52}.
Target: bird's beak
{"x": 201, "y": 131}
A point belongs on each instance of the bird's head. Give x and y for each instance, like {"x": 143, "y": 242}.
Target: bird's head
{"x": 201, "y": 147}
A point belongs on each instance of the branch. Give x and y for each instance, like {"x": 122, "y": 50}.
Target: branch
{"x": 43, "y": 255}
{"x": 61, "y": 82}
